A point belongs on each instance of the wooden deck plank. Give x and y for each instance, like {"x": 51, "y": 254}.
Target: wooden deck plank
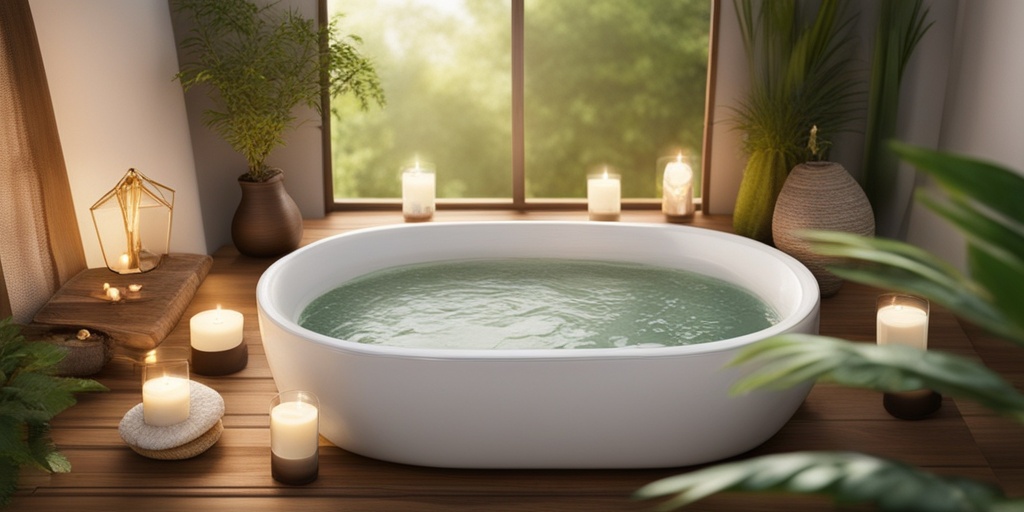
{"x": 961, "y": 439}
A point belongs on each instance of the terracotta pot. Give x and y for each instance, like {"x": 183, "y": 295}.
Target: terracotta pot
{"x": 267, "y": 222}
{"x": 819, "y": 196}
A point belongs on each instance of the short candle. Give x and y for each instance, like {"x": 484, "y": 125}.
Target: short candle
{"x": 216, "y": 330}
{"x": 902, "y": 324}
{"x": 604, "y": 193}
{"x": 165, "y": 401}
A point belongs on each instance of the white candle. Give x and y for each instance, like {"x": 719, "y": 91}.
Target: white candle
{"x": 604, "y": 195}
{"x": 165, "y": 401}
{"x": 677, "y": 188}
{"x": 216, "y": 330}
{"x": 294, "y": 431}
{"x": 903, "y": 325}
{"x": 418, "y": 190}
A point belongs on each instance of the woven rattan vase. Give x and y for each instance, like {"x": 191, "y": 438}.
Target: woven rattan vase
{"x": 820, "y": 196}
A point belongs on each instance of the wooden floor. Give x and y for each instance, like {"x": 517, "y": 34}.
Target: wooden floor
{"x": 234, "y": 475}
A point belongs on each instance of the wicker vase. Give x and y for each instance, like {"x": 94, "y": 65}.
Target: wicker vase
{"x": 819, "y": 196}
{"x": 267, "y": 222}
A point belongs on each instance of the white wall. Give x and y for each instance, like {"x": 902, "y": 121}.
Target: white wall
{"x": 984, "y": 108}
{"x": 109, "y": 64}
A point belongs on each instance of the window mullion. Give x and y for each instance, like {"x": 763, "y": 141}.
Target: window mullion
{"x": 518, "y": 133}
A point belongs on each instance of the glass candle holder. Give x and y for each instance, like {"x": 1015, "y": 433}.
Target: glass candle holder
{"x": 294, "y": 437}
{"x": 676, "y": 189}
{"x": 604, "y": 196}
{"x": 418, "y": 192}
{"x": 216, "y": 341}
{"x": 166, "y": 393}
{"x": 903, "y": 320}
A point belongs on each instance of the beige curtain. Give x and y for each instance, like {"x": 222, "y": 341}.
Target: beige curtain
{"x": 40, "y": 247}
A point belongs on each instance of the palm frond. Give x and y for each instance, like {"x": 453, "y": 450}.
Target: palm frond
{"x": 793, "y": 359}
{"x": 847, "y": 477}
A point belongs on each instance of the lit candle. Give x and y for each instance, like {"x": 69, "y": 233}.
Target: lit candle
{"x": 903, "y": 320}
{"x": 903, "y": 324}
{"x": 604, "y": 196}
{"x": 677, "y": 189}
{"x": 216, "y": 330}
{"x": 166, "y": 393}
{"x": 124, "y": 261}
{"x": 418, "y": 190}
{"x": 294, "y": 437}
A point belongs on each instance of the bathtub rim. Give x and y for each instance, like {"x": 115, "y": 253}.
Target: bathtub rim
{"x": 807, "y": 310}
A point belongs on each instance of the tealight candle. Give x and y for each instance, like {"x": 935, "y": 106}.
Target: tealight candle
{"x": 604, "y": 193}
{"x": 217, "y": 342}
{"x": 418, "y": 191}
{"x": 677, "y": 191}
{"x": 294, "y": 437}
{"x": 903, "y": 320}
{"x": 166, "y": 393}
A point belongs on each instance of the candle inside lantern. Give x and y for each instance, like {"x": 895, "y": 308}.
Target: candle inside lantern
{"x": 166, "y": 393}
{"x": 418, "y": 191}
{"x": 215, "y": 330}
{"x": 294, "y": 437}
{"x": 604, "y": 193}
{"x": 677, "y": 190}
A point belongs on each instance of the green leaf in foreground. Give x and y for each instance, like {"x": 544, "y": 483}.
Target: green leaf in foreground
{"x": 847, "y": 477}
{"x": 792, "y": 359}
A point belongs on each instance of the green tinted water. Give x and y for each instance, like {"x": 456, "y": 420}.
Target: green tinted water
{"x": 535, "y": 303}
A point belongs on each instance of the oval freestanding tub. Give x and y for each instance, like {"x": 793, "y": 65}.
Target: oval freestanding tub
{"x": 583, "y": 408}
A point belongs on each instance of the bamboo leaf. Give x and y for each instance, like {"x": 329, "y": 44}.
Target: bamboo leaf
{"x": 847, "y": 477}
{"x": 785, "y": 362}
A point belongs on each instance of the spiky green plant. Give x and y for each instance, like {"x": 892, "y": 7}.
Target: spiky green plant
{"x": 30, "y": 396}
{"x": 260, "y": 63}
{"x": 800, "y": 66}
{"x": 901, "y": 25}
{"x": 982, "y": 201}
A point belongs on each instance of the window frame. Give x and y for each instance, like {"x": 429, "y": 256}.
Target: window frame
{"x": 519, "y": 201}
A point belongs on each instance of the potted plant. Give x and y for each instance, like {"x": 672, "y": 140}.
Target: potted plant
{"x": 982, "y": 201}
{"x": 258, "y": 65}
{"x": 799, "y": 65}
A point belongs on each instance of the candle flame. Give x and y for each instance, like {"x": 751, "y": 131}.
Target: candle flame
{"x": 679, "y": 158}
{"x": 218, "y": 319}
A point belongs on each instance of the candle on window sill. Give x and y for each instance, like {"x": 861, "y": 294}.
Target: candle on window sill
{"x": 418, "y": 192}
{"x": 604, "y": 196}
{"x": 294, "y": 437}
{"x": 166, "y": 393}
{"x": 903, "y": 320}
{"x": 677, "y": 191}
{"x": 216, "y": 339}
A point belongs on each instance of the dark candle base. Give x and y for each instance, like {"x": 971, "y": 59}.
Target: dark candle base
{"x": 679, "y": 219}
{"x": 225, "y": 362}
{"x": 295, "y": 471}
{"x": 912, "y": 405}
{"x": 605, "y": 217}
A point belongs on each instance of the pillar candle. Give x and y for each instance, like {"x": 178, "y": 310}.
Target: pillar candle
{"x": 604, "y": 193}
{"x": 216, "y": 330}
{"x": 165, "y": 401}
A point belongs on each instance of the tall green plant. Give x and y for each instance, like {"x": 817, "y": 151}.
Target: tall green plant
{"x": 260, "y": 63}
{"x": 982, "y": 201}
{"x": 901, "y": 25}
{"x": 30, "y": 396}
{"x": 800, "y": 67}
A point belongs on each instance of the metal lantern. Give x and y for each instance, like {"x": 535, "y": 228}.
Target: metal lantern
{"x": 133, "y": 222}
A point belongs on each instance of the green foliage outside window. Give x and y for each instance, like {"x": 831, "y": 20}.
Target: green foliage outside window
{"x": 607, "y": 82}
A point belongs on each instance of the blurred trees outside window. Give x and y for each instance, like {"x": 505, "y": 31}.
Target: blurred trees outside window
{"x": 616, "y": 83}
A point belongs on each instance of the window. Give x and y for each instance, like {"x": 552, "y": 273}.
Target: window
{"x": 513, "y": 102}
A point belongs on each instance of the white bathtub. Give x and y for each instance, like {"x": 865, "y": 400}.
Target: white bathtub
{"x": 585, "y": 408}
